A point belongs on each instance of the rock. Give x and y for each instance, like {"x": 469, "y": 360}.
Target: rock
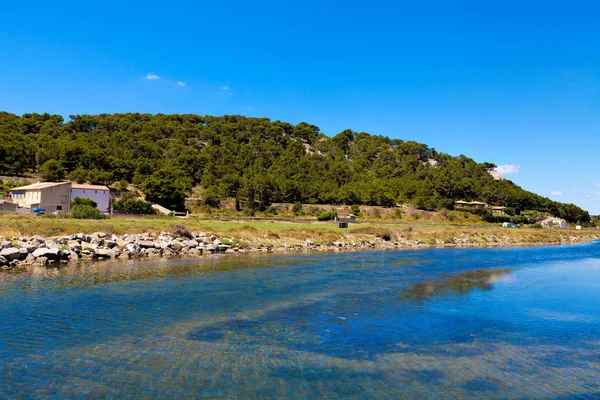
{"x": 6, "y": 245}
{"x": 48, "y": 254}
{"x": 101, "y": 235}
{"x": 89, "y": 246}
{"x": 231, "y": 251}
{"x": 27, "y": 246}
{"x": 74, "y": 245}
{"x": 104, "y": 254}
{"x": 111, "y": 244}
{"x": 176, "y": 245}
{"x": 217, "y": 242}
{"x": 211, "y": 248}
{"x": 223, "y": 247}
{"x": 11, "y": 254}
{"x": 190, "y": 243}
{"x": 195, "y": 252}
{"x": 132, "y": 247}
{"x": 3, "y": 261}
{"x": 146, "y": 244}
{"x": 338, "y": 244}
{"x": 213, "y": 238}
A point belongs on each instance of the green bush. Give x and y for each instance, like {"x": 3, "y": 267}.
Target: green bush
{"x": 326, "y": 216}
{"x": 134, "y": 206}
{"x": 356, "y": 210}
{"x": 82, "y": 211}
{"x": 297, "y": 208}
{"x": 83, "y": 201}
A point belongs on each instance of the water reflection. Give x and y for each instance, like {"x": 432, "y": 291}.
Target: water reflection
{"x": 459, "y": 284}
{"x": 317, "y": 326}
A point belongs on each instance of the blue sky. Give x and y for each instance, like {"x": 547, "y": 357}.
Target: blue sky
{"x": 514, "y": 83}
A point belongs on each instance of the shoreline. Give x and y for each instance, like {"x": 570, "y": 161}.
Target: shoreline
{"x": 22, "y": 252}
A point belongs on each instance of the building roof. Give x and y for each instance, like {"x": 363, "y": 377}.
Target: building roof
{"x": 88, "y": 187}
{"x": 38, "y": 186}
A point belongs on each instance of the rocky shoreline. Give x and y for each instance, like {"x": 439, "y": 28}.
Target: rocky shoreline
{"x": 37, "y": 251}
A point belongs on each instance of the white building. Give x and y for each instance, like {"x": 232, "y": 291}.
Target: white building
{"x": 98, "y": 193}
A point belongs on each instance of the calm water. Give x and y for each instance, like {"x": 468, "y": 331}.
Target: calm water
{"x": 448, "y": 323}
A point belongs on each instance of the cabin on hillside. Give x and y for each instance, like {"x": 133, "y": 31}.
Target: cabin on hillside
{"x": 553, "y": 222}
{"x": 343, "y": 222}
{"x": 470, "y": 204}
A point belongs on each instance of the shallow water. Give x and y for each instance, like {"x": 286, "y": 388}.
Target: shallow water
{"x": 445, "y": 323}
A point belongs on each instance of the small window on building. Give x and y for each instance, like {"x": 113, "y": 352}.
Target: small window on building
{"x": 95, "y": 191}
{"x": 58, "y": 208}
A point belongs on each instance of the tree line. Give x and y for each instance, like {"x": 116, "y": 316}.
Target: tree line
{"x": 255, "y": 160}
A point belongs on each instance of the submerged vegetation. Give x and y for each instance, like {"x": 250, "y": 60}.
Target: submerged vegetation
{"x": 254, "y": 160}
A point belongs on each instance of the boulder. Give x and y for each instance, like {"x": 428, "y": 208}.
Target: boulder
{"x": 176, "y": 245}
{"x": 49, "y": 254}
{"x": 132, "y": 247}
{"x": 74, "y": 245}
{"x": 27, "y": 246}
{"x": 104, "y": 254}
{"x": 6, "y": 245}
{"x": 89, "y": 246}
{"x": 195, "y": 252}
{"x": 11, "y": 254}
{"x": 146, "y": 244}
{"x": 110, "y": 244}
{"x": 217, "y": 242}
{"x": 3, "y": 261}
{"x": 190, "y": 243}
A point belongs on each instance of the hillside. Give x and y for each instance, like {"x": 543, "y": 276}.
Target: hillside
{"x": 256, "y": 160}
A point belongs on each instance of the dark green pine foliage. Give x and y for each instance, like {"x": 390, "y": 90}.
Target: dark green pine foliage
{"x": 255, "y": 160}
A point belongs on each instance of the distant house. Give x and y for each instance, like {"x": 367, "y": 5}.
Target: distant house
{"x": 6, "y": 205}
{"x": 470, "y": 204}
{"x": 51, "y": 196}
{"x": 98, "y": 193}
{"x": 553, "y": 222}
{"x": 498, "y": 210}
{"x": 343, "y": 222}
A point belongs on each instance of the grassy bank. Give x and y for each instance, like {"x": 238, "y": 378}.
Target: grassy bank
{"x": 255, "y": 233}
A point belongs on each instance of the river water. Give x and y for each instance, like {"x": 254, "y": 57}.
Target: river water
{"x": 444, "y": 323}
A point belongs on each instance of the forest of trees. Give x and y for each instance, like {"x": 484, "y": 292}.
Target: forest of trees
{"x": 255, "y": 160}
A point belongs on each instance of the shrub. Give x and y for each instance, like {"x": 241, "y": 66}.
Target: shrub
{"x": 122, "y": 184}
{"x": 182, "y": 231}
{"x": 272, "y": 210}
{"x": 133, "y": 206}
{"x": 83, "y": 201}
{"x": 326, "y": 216}
{"x": 356, "y": 210}
{"x": 297, "y": 208}
{"x": 83, "y": 211}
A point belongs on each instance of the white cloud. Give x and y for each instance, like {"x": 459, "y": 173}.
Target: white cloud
{"x": 597, "y": 185}
{"x": 152, "y": 76}
{"x": 225, "y": 88}
{"x": 249, "y": 108}
{"x": 508, "y": 169}
{"x": 180, "y": 83}
{"x": 557, "y": 193}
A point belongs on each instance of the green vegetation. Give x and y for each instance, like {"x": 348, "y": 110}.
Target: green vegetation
{"x": 10, "y": 184}
{"x": 84, "y": 211}
{"x": 82, "y": 201}
{"x": 255, "y": 160}
{"x": 326, "y": 216}
{"x": 133, "y": 206}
